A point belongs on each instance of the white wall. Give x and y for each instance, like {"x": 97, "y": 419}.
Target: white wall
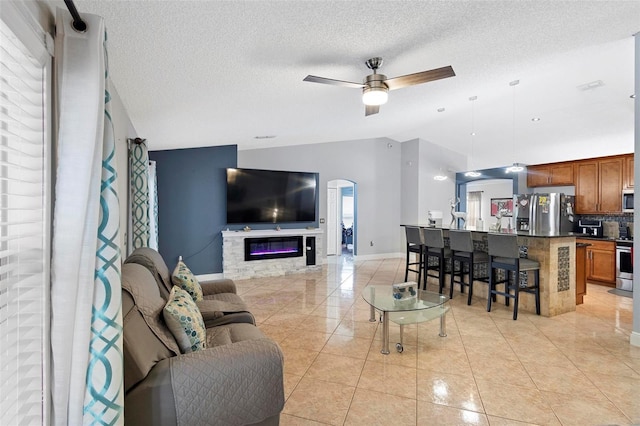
{"x": 122, "y": 130}
{"x": 373, "y": 164}
{"x": 410, "y": 176}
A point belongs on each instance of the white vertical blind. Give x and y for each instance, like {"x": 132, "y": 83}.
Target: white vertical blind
{"x": 24, "y": 228}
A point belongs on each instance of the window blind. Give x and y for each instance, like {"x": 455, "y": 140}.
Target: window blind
{"x": 24, "y": 225}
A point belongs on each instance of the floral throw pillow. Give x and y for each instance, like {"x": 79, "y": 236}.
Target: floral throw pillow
{"x": 184, "y": 278}
{"x": 185, "y": 321}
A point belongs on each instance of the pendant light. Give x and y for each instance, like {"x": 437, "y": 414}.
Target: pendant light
{"x": 516, "y": 167}
{"x": 472, "y": 172}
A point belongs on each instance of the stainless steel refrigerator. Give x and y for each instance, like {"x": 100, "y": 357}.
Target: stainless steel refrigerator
{"x": 544, "y": 214}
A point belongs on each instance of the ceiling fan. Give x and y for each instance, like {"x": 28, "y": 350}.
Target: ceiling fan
{"x": 375, "y": 87}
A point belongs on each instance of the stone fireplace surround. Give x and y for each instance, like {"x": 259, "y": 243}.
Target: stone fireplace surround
{"x": 233, "y": 254}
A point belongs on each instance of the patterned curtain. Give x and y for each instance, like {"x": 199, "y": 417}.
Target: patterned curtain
{"x": 153, "y": 206}
{"x": 139, "y": 181}
{"x": 86, "y": 320}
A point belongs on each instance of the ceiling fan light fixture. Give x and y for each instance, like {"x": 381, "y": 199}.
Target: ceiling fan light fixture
{"x": 374, "y": 96}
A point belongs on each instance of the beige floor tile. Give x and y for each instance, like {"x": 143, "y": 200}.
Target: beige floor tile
{"x": 290, "y": 383}
{"x": 304, "y": 339}
{"x": 515, "y": 402}
{"x": 350, "y": 346}
{"x": 566, "y": 379}
{"x": 624, "y": 392}
{"x": 577, "y": 368}
{"x": 444, "y": 360}
{"x": 388, "y": 378}
{"x": 322, "y": 324}
{"x": 336, "y": 369}
{"x": 297, "y": 361}
{"x": 289, "y": 420}
{"x": 376, "y": 408}
{"x": 363, "y": 329}
{"x": 441, "y": 415}
{"x": 320, "y": 401}
{"x": 453, "y": 390}
{"x": 584, "y": 410}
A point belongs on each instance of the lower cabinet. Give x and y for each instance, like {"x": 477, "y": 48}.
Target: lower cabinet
{"x": 601, "y": 261}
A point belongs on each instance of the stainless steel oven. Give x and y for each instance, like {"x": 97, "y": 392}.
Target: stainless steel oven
{"x": 624, "y": 265}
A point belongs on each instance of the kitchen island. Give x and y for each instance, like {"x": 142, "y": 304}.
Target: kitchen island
{"x": 557, "y": 257}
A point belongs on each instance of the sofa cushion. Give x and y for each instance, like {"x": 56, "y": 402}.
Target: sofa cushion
{"x": 151, "y": 259}
{"x": 185, "y": 321}
{"x": 184, "y": 278}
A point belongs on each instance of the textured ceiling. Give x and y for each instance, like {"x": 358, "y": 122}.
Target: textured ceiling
{"x": 223, "y": 72}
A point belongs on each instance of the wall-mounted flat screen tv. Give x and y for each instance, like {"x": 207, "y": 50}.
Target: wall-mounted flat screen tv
{"x": 270, "y": 196}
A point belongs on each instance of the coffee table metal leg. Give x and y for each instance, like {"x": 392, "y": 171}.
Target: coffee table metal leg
{"x": 372, "y": 314}
{"x": 443, "y": 325}
{"x": 385, "y": 333}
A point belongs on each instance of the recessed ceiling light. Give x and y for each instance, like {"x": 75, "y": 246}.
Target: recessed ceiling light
{"x": 472, "y": 174}
{"x": 440, "y": 109}
{"x": 440, "y": 177}
{"x": 514, "y": 83}
{"x": 472, "y": 133}
{"x": 633, "y": 96}
{"x": 591, "y": 85}
{"x": 535, "y": 119}
{"x": 265, "y": 137}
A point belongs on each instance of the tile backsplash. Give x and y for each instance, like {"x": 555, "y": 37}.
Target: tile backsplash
{"x": 621, "y": 219}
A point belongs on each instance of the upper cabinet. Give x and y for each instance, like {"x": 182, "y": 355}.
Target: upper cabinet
{"x": 557, "y": 174}
{"x": 599, "y": 185}
{"x": 628, "y": 172}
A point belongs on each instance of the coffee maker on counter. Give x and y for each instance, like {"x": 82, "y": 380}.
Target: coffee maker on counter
{"x": 593, "y": 228}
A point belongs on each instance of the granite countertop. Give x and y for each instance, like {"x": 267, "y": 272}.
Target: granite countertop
{"x": 486, "y": 230}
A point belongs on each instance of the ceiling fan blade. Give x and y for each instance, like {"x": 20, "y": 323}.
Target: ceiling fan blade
{"x": 371, "y": 109}
{"x": 314, "y": 79}
{"x": 419, "y": 78}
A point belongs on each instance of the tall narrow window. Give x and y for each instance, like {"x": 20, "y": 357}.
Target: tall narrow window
{"x": 474, "y": 202}
{"x": 24, "y": 222}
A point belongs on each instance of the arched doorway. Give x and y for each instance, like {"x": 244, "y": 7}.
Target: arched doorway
{"x": 341, "y": 218}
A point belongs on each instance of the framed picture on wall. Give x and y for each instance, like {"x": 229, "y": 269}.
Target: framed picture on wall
{"x": 504, "y": 204}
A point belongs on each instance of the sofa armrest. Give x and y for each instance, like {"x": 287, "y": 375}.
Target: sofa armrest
{"x": 217, "y": 312}
{"x": 238, "y": 383}
{"x": 218, "y": 286}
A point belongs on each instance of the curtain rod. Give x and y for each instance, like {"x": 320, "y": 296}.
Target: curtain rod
{"x": 78, "y": 24}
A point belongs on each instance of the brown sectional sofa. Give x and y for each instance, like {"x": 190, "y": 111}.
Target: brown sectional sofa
{"x": 236, "y": 380}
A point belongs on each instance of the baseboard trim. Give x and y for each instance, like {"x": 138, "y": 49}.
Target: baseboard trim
{"x": 634, "y": 339}
{"x": 378, "y": 256}
{"x": 209, "y": 277}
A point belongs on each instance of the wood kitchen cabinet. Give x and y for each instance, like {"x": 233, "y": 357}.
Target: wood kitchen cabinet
{"x": 599, "y": 185}
{"x": 557, "y": 174}
{"x": 581, "y": 272}
{"x": 601, "y": 261}
{"x": 628, "y": 172}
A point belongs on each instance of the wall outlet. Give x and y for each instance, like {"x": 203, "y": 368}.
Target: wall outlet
{"x": 322, "y": 220}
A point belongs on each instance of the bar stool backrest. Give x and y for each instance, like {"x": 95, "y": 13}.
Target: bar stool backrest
{"x": 503, "y": 245}
{"x": 414, "y": 236}
{"x": 433, "y": 238}
{"x": 461, "y": 241}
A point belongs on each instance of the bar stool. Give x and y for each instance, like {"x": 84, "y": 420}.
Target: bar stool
{"x": 434, "y": 241}
{"x": 415, "y": 244}
{"x": 462, "y": 251}
{"x": 504, "y": 254}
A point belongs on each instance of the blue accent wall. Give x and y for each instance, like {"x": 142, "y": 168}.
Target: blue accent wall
{"x": 192, "y": 205}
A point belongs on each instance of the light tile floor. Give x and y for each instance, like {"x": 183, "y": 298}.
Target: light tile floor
{"x": 572, "y": 369}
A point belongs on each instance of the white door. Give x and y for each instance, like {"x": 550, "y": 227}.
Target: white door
{"x": 332, "y": 222}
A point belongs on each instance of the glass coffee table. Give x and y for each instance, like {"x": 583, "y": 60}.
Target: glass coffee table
{"x": 427, "y": 305}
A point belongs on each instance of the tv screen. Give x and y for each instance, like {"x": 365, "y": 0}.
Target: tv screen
{"x": 270, "y": 196}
